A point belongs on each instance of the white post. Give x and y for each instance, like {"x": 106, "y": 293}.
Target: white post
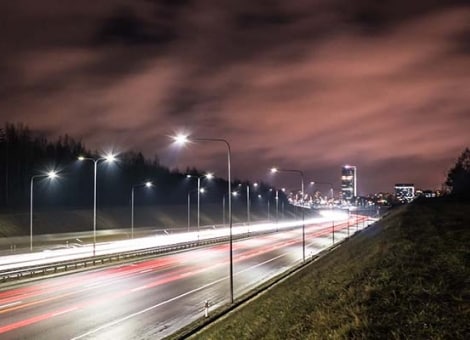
{"x": 31, "y": 217}
{"x": 198, "y": 202}
{"x": 94, "y": 207}
{"x": 132, "y": 213}
{"x": 189, "y": 209}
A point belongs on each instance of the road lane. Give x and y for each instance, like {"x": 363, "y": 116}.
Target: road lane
{"x": 152, "y": 298}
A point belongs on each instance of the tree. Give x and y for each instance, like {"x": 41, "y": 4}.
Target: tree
{"x": 458, "y": 177}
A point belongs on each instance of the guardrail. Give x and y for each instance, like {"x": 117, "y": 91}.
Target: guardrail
{"x": 62, "y": 266}
{"x": 55, "y": 267}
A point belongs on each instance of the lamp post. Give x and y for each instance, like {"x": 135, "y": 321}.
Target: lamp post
{"x": 223, "y": 210}
{"x": 147, "y": 184}
{"x": 199, "y": 191}
{"x": 274, "y": 170}
{"x": 51, "y": 175}
{"x": 108, "y": 158}
{"x": 182, "y": 139}
{"x": 248, "y": 202}
{"x": 189, "y": 209}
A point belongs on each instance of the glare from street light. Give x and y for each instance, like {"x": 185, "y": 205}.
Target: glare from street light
{"x": 209, "y": 175}
{"x": 52, "y": 174}
{"x": 110, "y": 157}
{"x": 181, "y": 139}
{"x": 273, "y": 170}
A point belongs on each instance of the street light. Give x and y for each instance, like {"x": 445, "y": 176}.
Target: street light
{"x": 199, "y": 191}
{"x": 147, "y": 184}
{"x": 274, "y": 170}
{"x": 248, "y": 200}
{"x": 50, "y": 175}
{"x": 107, "y": 158}
{"x": 183, "y": 139}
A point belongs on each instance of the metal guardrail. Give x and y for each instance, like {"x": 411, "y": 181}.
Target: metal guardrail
{"x": 62, "y": 266}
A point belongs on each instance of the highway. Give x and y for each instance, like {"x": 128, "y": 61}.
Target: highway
{"x": 153, "y": 298}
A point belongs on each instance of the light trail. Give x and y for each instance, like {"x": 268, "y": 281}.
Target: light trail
{"x": 101, "y": 289}
{"x": 106, "y": 248}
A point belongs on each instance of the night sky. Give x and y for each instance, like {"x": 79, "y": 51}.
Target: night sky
{"x": 305, "y": 84}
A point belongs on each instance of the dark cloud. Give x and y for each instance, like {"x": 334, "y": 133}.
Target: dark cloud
{"x": 125, "y": 27}
{"x": 312, "y": 84}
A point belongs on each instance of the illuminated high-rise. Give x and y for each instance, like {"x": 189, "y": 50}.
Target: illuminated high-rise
{"x": 405, "y": 193}
{"x": 348, "y": 182}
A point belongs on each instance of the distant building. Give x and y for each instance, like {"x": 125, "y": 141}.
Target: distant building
{"x": 405, "y": 193}
{"x": 348, "y": 182}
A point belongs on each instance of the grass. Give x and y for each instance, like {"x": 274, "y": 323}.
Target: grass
{"x": 407, "y": 277}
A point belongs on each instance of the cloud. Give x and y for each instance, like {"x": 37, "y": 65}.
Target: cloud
{"x": 310, "y": 84}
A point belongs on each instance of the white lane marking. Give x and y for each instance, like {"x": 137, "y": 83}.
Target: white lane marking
{"x": 11, "y": 304}
{"x": 65, "y": 311}
{"x": 94, "y": 284}
{"x": 113, "y": 323}
{"x": 145, "y": 271}
{"x": 138, "y": 288}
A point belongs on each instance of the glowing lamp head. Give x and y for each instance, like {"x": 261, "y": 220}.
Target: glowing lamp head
{"x": 181, "y": 139}
{"x": 52, "y": 174}
{"x": 81, "y": 158}
{"x": 209, "y": 175}
{"x": 202, "y": 190}
{"x": 255, "y": 184}
{"x": 273, "y": 170}
{"x": 148, "y": 184}
{"x": 110, "y": 157}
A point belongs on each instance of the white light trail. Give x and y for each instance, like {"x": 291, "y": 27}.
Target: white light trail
{"x": 106, "y": 248}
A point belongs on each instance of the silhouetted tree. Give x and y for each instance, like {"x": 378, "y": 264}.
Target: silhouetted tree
{"x": 458, "y": 177}
{"x": 24, "y": 153}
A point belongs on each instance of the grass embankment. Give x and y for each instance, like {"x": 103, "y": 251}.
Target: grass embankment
{"x": 404, "y": 278}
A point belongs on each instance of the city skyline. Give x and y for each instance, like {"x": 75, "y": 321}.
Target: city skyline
{"x": 310, "y": 86}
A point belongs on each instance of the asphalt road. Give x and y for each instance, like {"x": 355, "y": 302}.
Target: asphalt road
{"x": 153, "y": 298}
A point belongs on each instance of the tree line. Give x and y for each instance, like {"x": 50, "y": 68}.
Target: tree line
{"x": 25, "y": 153}
{"x": 458, "y": 178}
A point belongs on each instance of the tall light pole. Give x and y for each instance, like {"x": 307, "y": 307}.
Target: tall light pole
{"x": 51, "y": 175}
{"x": 277, "y": 205}
{"x": 147, "y": 184}
{"x": 248, "y": 202}
{"x": 199, "y": 191}
{"x": 108, "y": 158}
{"x": 182, "y": 139}
{"x": 189, "y": 209}
{"x": 274, "y": 170}
{"x": 223, "y": 210}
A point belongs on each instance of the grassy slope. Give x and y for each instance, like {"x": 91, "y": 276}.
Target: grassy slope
{"x": 403, "y": 278}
